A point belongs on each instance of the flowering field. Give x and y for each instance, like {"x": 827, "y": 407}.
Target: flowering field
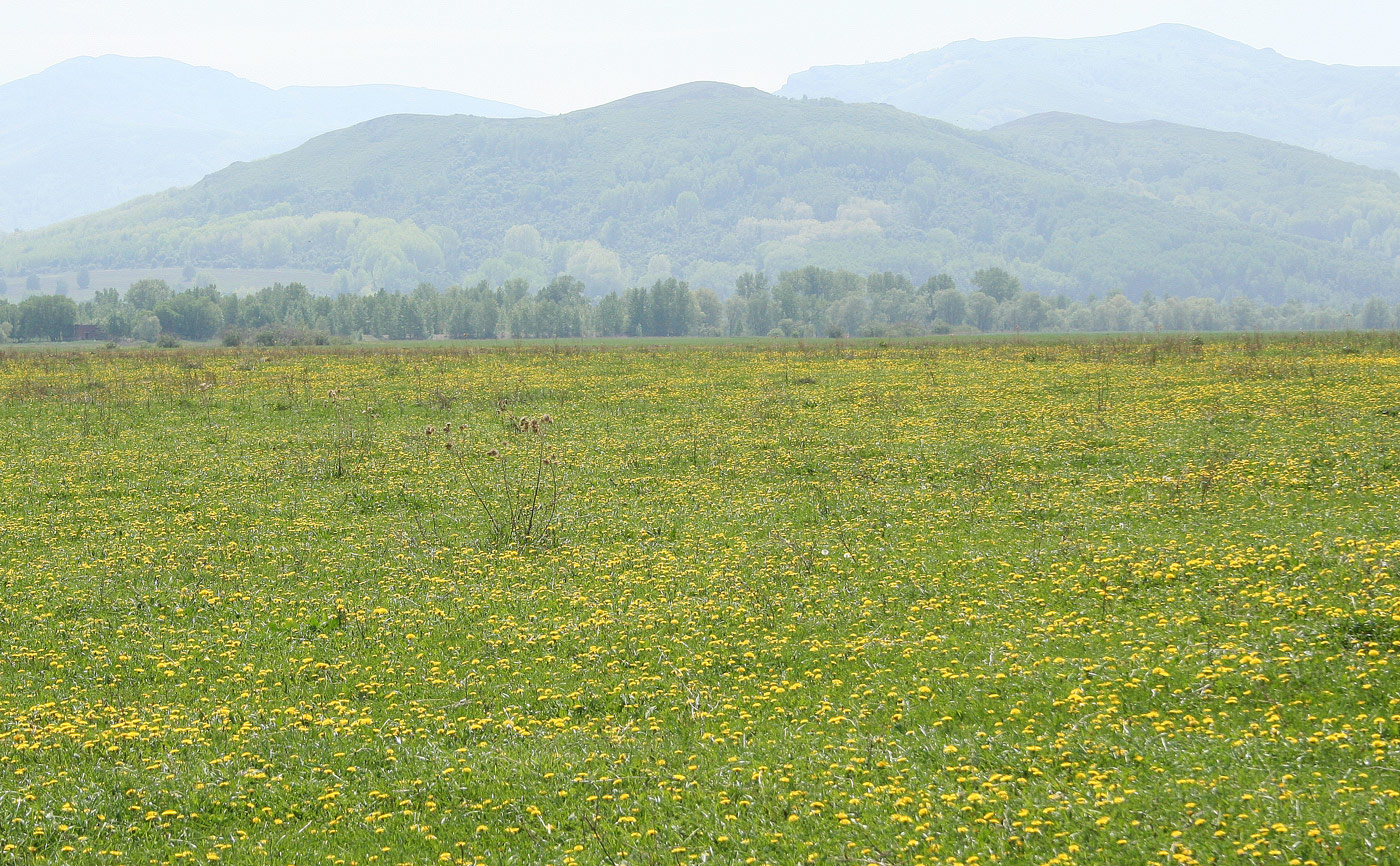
{"x": 1127, "y": 602}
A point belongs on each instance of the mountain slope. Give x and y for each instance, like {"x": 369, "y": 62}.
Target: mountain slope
{"x": 1169, "y": 72}
{"x": 1260, "y": 182}
{"x": 95, "y": 131}
{"x": 702, "y": 181}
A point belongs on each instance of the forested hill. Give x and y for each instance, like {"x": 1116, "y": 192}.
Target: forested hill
{"x": 1260, "y": 182}
{"x": 1169, "y": 72}
{"x": 705, "y": 181}
{"x": 93, "y": 132}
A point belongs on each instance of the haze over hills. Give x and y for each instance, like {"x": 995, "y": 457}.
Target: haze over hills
{"x": 1261, "y": 182}
{"x": 705, "y": 180}
{"x": 1168, "y": 72}
{"x": 93, "y": 132}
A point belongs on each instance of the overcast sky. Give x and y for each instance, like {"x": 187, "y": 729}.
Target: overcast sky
{"x": 558, "y": 55}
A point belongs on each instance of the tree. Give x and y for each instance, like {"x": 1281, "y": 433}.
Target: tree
{"x": 735, "y": 316}
{"x": 751, "y": 284}
{"x": 658, "y": 267}
{"x": 687, "y": 206}
{"x": 611, "y": 317}
{"x": 753, "y": 288}
{"x": 147, "y": 294}
{"x": 1376, "y": 314}
{"x": 670, "y": 309}
{"x": 46, "y": 317}
{"x": 596, "y": 265}
{"x": 31, "y": 283}
{"x": 84, "y": 279}
{"x": 950, "y": 306}
{"x": 848, "y": 315}
{"x": 707, "y": 303}
{"x": 194, "y": 314}
{"x": 427, "y": 301}
{"x": 939, "y": 283}
{"x": 997, "y": 283}
{"x": 635, "y": 302}
{"x": 513, "y": 291}
{"x": 559, "y": 308}
{"x": 563, "y": 290}
{"x": 1027, "y": 312}
{"x": 980, "y": 310}
{"x": 524, "y": 240}
{"x": 147, "y": 328}
{"x": 1244, "y": 314}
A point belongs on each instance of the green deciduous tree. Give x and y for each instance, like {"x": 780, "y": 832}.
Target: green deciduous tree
{"x": 610, "y": 319}
{"x": 46, "y": 317}
{"x": 1376, "y": 314}
{"x": 997, "y": 283}
{"x": 147, "y": 294}
{"x": 950, "y": 305}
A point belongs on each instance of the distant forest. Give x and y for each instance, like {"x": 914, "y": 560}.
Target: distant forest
{"x": 706, "y": 182}
{"x": 808, "y": 302}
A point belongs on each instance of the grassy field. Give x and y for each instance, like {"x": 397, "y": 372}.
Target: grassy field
{"x": 1127, "y": 601}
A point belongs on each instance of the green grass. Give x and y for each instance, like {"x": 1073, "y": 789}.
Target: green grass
{"x": 948, "y": 601}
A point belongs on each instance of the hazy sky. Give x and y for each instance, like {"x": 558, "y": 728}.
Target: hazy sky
{"x": 557, "y": 55}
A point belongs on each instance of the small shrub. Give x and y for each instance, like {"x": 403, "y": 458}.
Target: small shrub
{"x": 515, "y": 487}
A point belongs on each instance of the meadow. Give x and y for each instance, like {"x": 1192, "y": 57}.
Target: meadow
{"x": 1003, "y": 601}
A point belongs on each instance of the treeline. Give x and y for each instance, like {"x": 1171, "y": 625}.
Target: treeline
{"x": 809, "y": 302}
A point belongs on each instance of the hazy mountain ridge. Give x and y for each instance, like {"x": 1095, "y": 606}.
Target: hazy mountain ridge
{"x": 92, "y": 132}
{"x": 706, "y": 180}
{"x": 1260, "y": 182}
{"x": 1168, "y": 72}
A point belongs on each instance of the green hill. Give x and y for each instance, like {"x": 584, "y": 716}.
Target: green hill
{"x": 704, "y": 181}
{"x": 1253, "y": 180}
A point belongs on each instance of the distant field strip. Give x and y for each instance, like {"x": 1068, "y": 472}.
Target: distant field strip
{"x": 1128, "y": 601}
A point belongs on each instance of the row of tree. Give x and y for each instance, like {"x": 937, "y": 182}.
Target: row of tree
{"x": 808, "y": 302}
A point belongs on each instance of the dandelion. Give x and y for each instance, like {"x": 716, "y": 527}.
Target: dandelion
{"x": 298, "y": 668}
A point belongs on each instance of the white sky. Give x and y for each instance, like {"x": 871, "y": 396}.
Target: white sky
{"x": 558, "y": 55}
